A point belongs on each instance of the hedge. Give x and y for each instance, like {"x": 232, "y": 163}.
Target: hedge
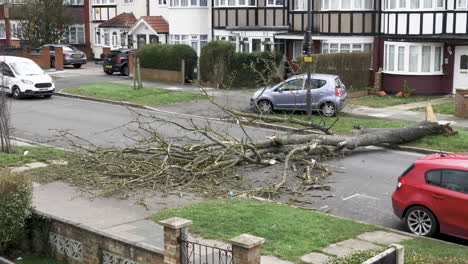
{"x": 168, "y": 57}
{"x": 353, "y": 68}
{"x": 220, "y": 63}
{"x": 15, "y": 205}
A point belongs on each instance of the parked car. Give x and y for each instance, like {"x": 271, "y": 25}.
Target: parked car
{"x": 328, "y": 95}
{"x": 23, "y": 77}
{"x": 432, "y": 195}
{"x": 116, "y": 61}
{"x": 71, "y": 55}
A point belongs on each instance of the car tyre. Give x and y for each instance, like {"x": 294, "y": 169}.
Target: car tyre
{"x": 265, "y": 107}
{"x": 109, "y": 72}
{"x": 421, "y": 221}
{"x": 48, "y": 96}
{"x": 17, "y": 93}
{"x": 77, "y": 66}
{"x": 52, "y": 63}
{"x": 328, "y": 109}
{"x": 125, "y": 70}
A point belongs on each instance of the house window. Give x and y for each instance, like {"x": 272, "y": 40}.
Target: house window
{"x": 188, "y": 3}
{"x": 106, "y": 37}
{"x": 114, "y": 39}
{"x": 348, "y": 4}
{"x": 73, "y": 2}
{"x": 123, "y": 37}
{"x": 464, "y": 62}
{"x": 462, "y": 4}
{"x": 345, "y": 47}
{"x": 274, "y": 2}
{"x": 413, "y": 58}
{"x": 195, "y": 41}
{"x": 300, "y": 5}
{"x": 2, "y": 29}
{"x": 223, "y": 3}
{"x": 104, "y": 2}
{"x": 97, "y": 36}
{"x": 415, "y": 4}
{"x": 75, "y": 35}
{"x": 15, "y": 29}
{"x": 298, "y": 49}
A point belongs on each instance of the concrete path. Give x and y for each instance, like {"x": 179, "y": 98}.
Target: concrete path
{"x": 420, "y": 104}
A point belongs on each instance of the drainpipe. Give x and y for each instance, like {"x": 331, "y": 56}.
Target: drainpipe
{"x": 148, "y": 7}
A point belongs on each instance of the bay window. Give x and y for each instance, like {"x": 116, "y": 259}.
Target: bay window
{"x": 274, "y": 2}
{"x": 195, "y": 41}
{"x": 75, "y": 35}
{"x": 347, "y": 4}
{"x": 413, "y": 58}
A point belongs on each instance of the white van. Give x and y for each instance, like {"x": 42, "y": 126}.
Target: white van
{"x": 21, "y": 77}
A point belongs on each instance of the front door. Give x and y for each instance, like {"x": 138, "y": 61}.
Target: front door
{"x": 460, "y": 78}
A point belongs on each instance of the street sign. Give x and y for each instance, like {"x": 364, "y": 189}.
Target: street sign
{"x": 307, "y": 59}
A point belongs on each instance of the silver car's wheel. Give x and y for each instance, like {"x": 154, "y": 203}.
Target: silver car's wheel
{"x": 421, "y": 221}
{"x": 265, "y": 107}
{"x": 17, "y": 93}
{"x": 328, "y": 109}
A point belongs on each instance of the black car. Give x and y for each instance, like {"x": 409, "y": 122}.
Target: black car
{"x": 71, "y": 55}
{"x": 116, "y": 61}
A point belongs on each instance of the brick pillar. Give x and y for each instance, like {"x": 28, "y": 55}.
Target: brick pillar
{"x": 378, "y": 80}
{"x": 105, "y": 50}
{"x": 58, "y": 59}
{"x": 131, "y": 63}
{"x": 45, "y": 58}
{"x": 461, "y": 102}
{"x": 246, "y": 249}
{"x": 25, "y": 52}
{"x": 173, "y": 229}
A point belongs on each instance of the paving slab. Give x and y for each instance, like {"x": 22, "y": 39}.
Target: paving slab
{"x": 358, "y": 245}
{"x": 337, "y": 250}
{"x": 315, "y": 258}
{"x": 382, "y": 237}
{"x": 273, "y": 260}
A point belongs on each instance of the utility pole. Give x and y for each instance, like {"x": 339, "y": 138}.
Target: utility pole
{"x": 308, "y": 59}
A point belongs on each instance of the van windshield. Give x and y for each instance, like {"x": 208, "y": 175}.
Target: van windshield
{"x": 26, "y": 68}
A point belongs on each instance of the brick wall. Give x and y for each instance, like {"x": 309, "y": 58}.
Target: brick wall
{"x": 461, "y": 101}
{"x": 76, "y": 244}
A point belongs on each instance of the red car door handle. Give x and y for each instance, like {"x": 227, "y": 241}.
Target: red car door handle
{"x": 438, "y": 197}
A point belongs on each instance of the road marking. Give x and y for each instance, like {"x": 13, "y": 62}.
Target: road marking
{"x": 359, "y": 195}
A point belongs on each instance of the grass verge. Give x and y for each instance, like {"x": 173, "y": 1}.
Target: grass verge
{"x": 444, "y": 108}
{"x": 35, "y": 154}
{"x": 458, "y": 143}
{"x": 387, "y": 101}
{"x": 289, "y": 232}
{"x": 122, "y": 92}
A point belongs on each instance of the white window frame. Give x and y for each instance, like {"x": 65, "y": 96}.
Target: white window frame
{"x": 74, "y": 2}
{"x": 14, "y": 29}
{"x": 189, "y": 39}
{"x": 461, "y": 6}
{"x": 2, "y": 29}
{"x": 327, "y": 5}
{"x": 408, "y": 7}
{"x": 188, "y": 3}
{"x": 353, "y": 46}
{"x": 406, "y": 46}
{"x": 225, "y": 3}
{"x": 104, "y": 2}
{"x": 76, "y": 27}
{"x": 300, "y": 5}
{"x": 275, "y": 3}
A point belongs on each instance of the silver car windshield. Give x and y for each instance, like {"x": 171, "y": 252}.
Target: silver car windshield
{"x": 25, "y": 68}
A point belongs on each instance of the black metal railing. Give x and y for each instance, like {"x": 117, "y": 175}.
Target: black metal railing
{"x": 194, "y": 252}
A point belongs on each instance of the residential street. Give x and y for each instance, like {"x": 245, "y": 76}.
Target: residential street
{"x": 362, "y": 182}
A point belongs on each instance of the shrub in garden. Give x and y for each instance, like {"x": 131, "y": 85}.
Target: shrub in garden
{"x": 168, "y": 57}
{"x": 220, "y": 63}
{"x": 215, "y": 59}
{"x": 353, "y": 68}
{"x": 15, "y": 205}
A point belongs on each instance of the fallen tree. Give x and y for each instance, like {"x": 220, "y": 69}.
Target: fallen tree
{"x": 209, "y": 167}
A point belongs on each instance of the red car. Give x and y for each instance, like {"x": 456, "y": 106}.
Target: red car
{"x": 432, "y": 195}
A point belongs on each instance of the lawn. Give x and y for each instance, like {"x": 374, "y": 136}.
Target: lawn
{"x": 35, "y": 154}
{"x": 444, "y": 108}
{"x": 387, "y": 101}
{"x": 458, "y": 143}
{"x": 122, "y": 92}
{"x": 289, "y": 232}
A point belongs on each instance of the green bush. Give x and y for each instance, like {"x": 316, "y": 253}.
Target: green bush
{"x": 15, "y": 205}
{"x": 220, "y": 63}
{"x": 215, "y": 59}
{"x": 253, "y": 69}
{"x": 168, "y": 57}
{"x": 353, "y": 68}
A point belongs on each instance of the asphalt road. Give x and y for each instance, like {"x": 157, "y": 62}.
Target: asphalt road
{"x": 361, "y": 192}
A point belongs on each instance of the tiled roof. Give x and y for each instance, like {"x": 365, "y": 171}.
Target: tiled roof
{"x": 124, "y": 20}
{"x": 158, "y": 23}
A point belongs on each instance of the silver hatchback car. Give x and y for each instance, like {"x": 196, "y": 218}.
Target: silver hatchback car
{"x": 328, "y": 95}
